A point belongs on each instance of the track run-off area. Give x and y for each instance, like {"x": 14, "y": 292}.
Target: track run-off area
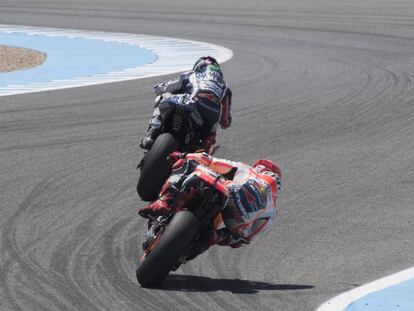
{"x": 78, "y": 58}
{"x": 323, "y": 88}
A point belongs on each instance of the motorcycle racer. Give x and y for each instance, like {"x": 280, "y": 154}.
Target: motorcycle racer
{"x": 253, "y": 191}
{"x": 203, "y": 87}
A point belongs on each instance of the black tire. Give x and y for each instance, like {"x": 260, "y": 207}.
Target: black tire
{"x": 172, "y": 245}
{"x": 156, "y": 167}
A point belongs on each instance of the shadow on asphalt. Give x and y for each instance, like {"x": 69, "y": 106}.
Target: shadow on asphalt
{"x": 192, "y": 283}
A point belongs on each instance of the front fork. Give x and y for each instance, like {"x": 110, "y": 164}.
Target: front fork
{"x": 155, "y": 228}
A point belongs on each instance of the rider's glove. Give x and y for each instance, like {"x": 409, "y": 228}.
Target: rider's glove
{"x": 159, "y": 88}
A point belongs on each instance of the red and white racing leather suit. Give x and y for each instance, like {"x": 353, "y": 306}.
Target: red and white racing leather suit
{"x": 252, "y": 195}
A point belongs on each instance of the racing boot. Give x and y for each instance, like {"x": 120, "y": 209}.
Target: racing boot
{"x": 159, "y": 207}
{"x": 224, "y": 237}
{"x": 147, "y": 142}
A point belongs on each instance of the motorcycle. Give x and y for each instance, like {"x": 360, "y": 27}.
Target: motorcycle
{"x": 183, "y": 234}
{"x": 179, "y": 132}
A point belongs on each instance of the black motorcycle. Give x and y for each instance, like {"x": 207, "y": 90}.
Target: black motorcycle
{"x": 179, "y": 132}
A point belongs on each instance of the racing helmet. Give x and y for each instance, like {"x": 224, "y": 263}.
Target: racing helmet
{"x": 207, "y": 62}
{"x": 264, "y": 165}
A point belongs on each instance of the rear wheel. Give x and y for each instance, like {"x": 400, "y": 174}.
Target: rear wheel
{"x": 156, "y": 167}
{"x": 173, "y": 243}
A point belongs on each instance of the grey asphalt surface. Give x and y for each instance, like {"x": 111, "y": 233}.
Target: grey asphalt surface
{"x": 324, "y": 88}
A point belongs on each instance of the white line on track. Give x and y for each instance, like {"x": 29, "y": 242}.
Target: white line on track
{"x": 173, "y": 55}
{"x": 339, "y": 303}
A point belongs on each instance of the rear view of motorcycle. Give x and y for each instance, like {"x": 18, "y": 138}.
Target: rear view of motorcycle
{"x": 180, "y": 131}
{"x": 182, "y": 235}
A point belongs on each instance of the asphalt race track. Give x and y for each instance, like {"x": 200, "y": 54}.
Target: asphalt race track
{"x": 325, "y": 88}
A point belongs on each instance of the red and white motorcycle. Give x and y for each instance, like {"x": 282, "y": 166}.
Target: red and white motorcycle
{"x": 180, "y": 236}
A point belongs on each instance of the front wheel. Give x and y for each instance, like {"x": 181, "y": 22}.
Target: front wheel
{"x": 156, "y": 167}
{"x": 168, "y": 248}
